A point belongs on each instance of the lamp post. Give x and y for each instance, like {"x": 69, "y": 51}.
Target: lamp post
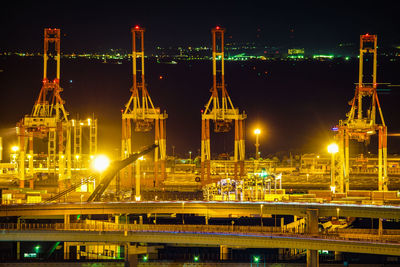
{"x": 99, "y": 163}
{"x": 137, "y": 179}
{"x": 257, "y": 133}
{"x": 333, "y": 149}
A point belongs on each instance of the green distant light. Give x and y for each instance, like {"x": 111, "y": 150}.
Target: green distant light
{"x": 196, "y": 258}
{"x": 323, "y": 56}
{"x": 37, "y": 248}
{"x": 256, "y": 259}
{"x": 346, "y": 58}
{"x": 145, "y": 258}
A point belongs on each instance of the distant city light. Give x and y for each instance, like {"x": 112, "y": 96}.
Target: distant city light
{"x": 257, "y": 131}
{"x": 15, "y": 148}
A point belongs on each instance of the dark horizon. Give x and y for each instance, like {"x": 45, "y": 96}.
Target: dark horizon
{"x": 97, "y": 26}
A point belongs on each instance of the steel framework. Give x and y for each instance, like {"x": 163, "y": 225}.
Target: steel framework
{"x": 361, "y": 123}
{"x": 141, "y": 111}
{"x": 48, "y": 119}
{"x": 222, "y": 111}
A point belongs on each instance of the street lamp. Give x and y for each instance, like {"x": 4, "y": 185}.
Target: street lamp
{"x": 100, "y": 163}
{"x": 333, "y": 149}
{"x": 257, "y": 133}
{"x": 190, "y": 155}
{"x": 137, "y": 178}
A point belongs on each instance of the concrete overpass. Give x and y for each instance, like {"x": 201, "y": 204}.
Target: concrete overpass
{"x": 230, "y": 239}
{"x": 203, "y": 208}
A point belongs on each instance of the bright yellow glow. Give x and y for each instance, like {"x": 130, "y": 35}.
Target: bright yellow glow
{"x": 137, "y": 198}
{"x": 141, "y": 158}
{"x": 88, "y": 121}
{"x": 15, "y": 148}
{"x": 91, "y": 157}
{"x": 101, "y": 162}
{"x": 73, "y": 123}
{"x": 333, "y": 189}
{"x": 81, "y": 123}
{"x": 29, "y": 156}
{"x": 77, "y": 156}
{"x": 257, "y": 131}
{"x": 333, "y": 148}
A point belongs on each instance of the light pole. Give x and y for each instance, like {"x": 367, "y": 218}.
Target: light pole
{"x": 190, "y": 155}
{"x": 333, "y": 149}
{"x": 137, "y": 179}
{"x": 257, "y": 133}
{"x": 100, "y": 163}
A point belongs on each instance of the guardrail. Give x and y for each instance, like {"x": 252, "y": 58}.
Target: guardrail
{"x": 100, "y": 226}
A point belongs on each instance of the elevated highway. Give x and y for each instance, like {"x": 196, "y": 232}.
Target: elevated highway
{"x": 198, "y": 235}
{"x": 203, "y": 208}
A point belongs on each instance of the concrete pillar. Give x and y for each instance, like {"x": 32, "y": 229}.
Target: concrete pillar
{"x": 67, "y": 221}
{"x": 312, "y": 229}
{"x": 133, "y": 260}
{"x": 66, "y": 251}
{"x": 18, "y": 250}
{"x": 312, "y": 221}
{"x": 338, "y": 256}
{"x": 223, "y": 253}
{"x": 78, "y": 252}
{"x": 312, "y": 258}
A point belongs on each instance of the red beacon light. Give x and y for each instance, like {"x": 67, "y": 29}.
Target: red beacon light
{"x": 137, "y": 27}
{"x": 217, "y": 28}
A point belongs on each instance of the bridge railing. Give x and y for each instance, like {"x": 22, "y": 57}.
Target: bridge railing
{"x": 99, "y": 226}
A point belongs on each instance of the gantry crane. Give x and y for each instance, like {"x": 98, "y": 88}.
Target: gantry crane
{"x": 221, "y": 111}
{"x": 48, "y": 119}
{"x": 361, "y": 122}
{"x": 141, "y": 111}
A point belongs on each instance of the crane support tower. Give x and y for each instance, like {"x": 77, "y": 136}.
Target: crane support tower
{"x": 361, "y": 122}
{"x": 141, "y": 114}
{"x": 221, "y": 111}
{"x": 48, "y": 119}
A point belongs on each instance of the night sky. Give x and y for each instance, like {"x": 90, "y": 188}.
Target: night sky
{"x": 295, "y": 103}
{"x": 99, "y": 25}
